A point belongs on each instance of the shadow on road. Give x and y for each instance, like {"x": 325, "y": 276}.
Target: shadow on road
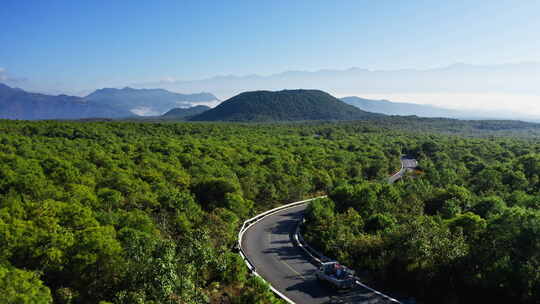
{"x": 314, "y": 288}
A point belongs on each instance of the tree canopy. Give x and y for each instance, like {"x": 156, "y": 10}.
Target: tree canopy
{"x": 130, "y": 212}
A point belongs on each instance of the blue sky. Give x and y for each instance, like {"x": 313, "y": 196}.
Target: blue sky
{"x": 81, "y": 45}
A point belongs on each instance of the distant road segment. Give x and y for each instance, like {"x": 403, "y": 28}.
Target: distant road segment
{"x": 407, "y": 164}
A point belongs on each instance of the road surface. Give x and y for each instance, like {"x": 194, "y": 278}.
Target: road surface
{"x": 270, "y": 248}
{"x": 276, "y": 258}
{"x": 407, "y": 164}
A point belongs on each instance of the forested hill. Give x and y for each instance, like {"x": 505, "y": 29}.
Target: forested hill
{"x": 286, "y": 105}
{"x": 180, "y": 113}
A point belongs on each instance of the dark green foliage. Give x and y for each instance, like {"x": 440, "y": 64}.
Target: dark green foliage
{"x": 183, "y": 113}
{"x": 19, "y": 286}
{"x": 256, "y": 292}
{"x": 379, "y": 222}
{"x": 149, "y": 213}
{"x": 469, "y": 128}
{"x": 488, "y": 207}
{"x": 464, "y": 230}
{"x": 212, "y": 193}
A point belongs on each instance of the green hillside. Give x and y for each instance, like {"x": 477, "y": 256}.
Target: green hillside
{"x": 181, "y": 113}
{"x": 286, "y": 105}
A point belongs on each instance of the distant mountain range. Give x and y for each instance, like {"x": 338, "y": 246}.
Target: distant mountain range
{"x": 19, "y": 104}
{"x": 402, "y": 108}
{"x": 521, "y": 78}
{"x": 505, "y": 91}
{"x": 182, "y": 113}
{"x": 147, "y": 102}
{"x": 105, "y": 103}
{"x": 286, "y": 105}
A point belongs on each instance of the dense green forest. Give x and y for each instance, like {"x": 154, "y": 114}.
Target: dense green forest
{"x": 465, "y": 229}
{"x": 125, "y": 212}
{"x": 466, "y": 128}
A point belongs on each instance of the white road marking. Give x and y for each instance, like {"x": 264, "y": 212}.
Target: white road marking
{"x": 282, "y": 261}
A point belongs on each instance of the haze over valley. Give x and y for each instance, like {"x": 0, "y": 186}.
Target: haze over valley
{"x": 502, "y": 91}
{"x": 505, "y": 91}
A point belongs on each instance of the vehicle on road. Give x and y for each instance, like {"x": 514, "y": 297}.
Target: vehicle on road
{"x": 336, "y": 275}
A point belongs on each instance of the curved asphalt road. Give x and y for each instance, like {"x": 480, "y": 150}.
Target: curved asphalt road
{"x": 407, "y": 164}
{"x": 270, "y": 248}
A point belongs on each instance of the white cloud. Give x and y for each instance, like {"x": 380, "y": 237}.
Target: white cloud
{"x": 168, "y": 80}
{"x": 189, "y": 104}
{"x": 3, "y": 76}
{"x": 7, "y": 78}
{"x": 145, "y": 111}
{"x": 516, "y": 79}
{"x": 211, "y": 103}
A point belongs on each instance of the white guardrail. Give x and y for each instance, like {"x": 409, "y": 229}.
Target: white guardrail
{"x": 312, "y": 253}
{"x": 252, "y": 221}
{"x": 394, "y": 177}
{"x": 319, "y": 258}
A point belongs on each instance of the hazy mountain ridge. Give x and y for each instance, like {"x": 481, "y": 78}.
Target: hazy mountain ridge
{"x": 402, "y": 108}
{"x": 19, "y": 104}
{"x": 505, "y": 91}
{"x": 285, "y": 105}
{"x": 518, "y": 77}
{"x": 387, "y": 107}
{"x": 147, "y": 102}
{"x": 16, "y": 103}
